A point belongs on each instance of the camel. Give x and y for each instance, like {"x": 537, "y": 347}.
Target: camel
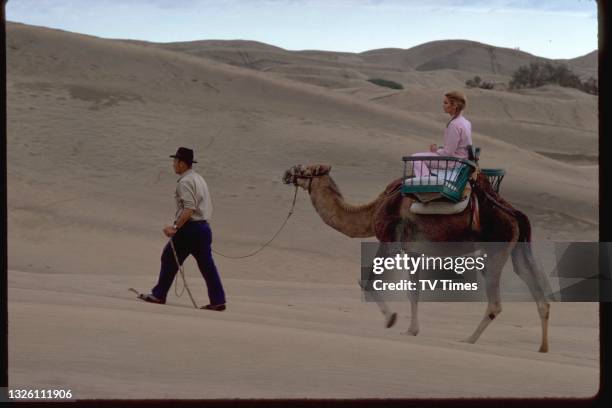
{"x": 388, "y": 219}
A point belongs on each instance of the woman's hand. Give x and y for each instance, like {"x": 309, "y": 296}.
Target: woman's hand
{"x": 433, "y": 148}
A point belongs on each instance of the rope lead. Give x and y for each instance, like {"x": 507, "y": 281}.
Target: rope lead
{"x": 180, "y": 267}
{"x": 270, "y": 240}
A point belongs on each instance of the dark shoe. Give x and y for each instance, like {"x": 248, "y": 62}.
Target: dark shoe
{"x": 216, "y": 308}
{"x": 151, "y": 299}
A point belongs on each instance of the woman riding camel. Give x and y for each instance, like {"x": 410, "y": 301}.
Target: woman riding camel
{"x": 457, "y": 136}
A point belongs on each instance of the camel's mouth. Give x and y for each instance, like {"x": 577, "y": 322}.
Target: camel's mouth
{"x": 297, "y": 172}
{"x": 291, "y": 175}
{"x": 288, "y": 177}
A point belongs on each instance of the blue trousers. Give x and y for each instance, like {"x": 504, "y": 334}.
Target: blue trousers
{"x": 193, "y": 238}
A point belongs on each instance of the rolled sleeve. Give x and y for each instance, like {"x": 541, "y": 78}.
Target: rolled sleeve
{"x": 186, "y": 195}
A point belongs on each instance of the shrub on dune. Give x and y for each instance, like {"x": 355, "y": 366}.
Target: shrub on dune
{"x": 537, "y": 74}
{"x": 386, "y": 83}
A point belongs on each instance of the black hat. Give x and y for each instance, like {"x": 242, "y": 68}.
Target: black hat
{"x": 184, "y": 154}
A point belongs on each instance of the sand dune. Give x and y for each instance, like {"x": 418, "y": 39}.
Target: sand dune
{"x": 470, "y": 56}
{"x": 288, "y": 340}
{"x": 91, "y": 123}
{"x": 588, "y": 63}
{"x": 461, "y": 55}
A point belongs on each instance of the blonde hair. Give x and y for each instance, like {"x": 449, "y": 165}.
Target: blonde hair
{"x": 459, "y": 100}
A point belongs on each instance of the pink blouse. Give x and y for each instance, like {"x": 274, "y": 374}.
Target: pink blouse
{"x": 457, "y": 136}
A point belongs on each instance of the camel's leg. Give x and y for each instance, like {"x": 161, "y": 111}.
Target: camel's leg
{"x": 413, "y": 329}
{"x": 492, "y": 277}
{"x": 527, "y": 270}
{"x": 413, "y": 296}
{"x": 390, "y": 317}
{"x": 544, "y": 311}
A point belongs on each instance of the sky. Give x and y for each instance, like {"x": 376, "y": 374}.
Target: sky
{"x": 553, "y": 29}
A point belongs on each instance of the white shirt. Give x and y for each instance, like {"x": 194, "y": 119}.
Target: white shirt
{"x": 192, "y": 193}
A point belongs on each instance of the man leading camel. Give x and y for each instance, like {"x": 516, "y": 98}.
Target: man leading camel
{"x": 190, "y": 234}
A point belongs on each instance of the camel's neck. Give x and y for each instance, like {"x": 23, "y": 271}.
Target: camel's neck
{"x": 353, "y": 221}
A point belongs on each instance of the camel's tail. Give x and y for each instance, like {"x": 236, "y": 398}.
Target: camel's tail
{"x": 524, "y": 226}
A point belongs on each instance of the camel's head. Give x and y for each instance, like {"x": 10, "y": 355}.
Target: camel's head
{"x": 303, "y": 175}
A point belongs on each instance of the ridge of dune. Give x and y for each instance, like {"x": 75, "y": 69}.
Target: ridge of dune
{"x": 216, "y": 44}
{"x": 588, "y": 62}
{"x": 467, "y": 55}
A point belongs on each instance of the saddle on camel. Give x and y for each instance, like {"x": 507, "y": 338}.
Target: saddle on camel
{"x": 446, "y": 189}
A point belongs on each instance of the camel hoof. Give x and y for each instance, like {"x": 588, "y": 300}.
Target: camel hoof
{"x": 543, "y": 348}
{"x": 469, "y": 341}
{"x": 391, "y": 320}
{"x": 411, "y": 332}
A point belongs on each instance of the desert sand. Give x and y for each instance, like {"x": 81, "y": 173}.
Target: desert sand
{"x": 91, "y": 123}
